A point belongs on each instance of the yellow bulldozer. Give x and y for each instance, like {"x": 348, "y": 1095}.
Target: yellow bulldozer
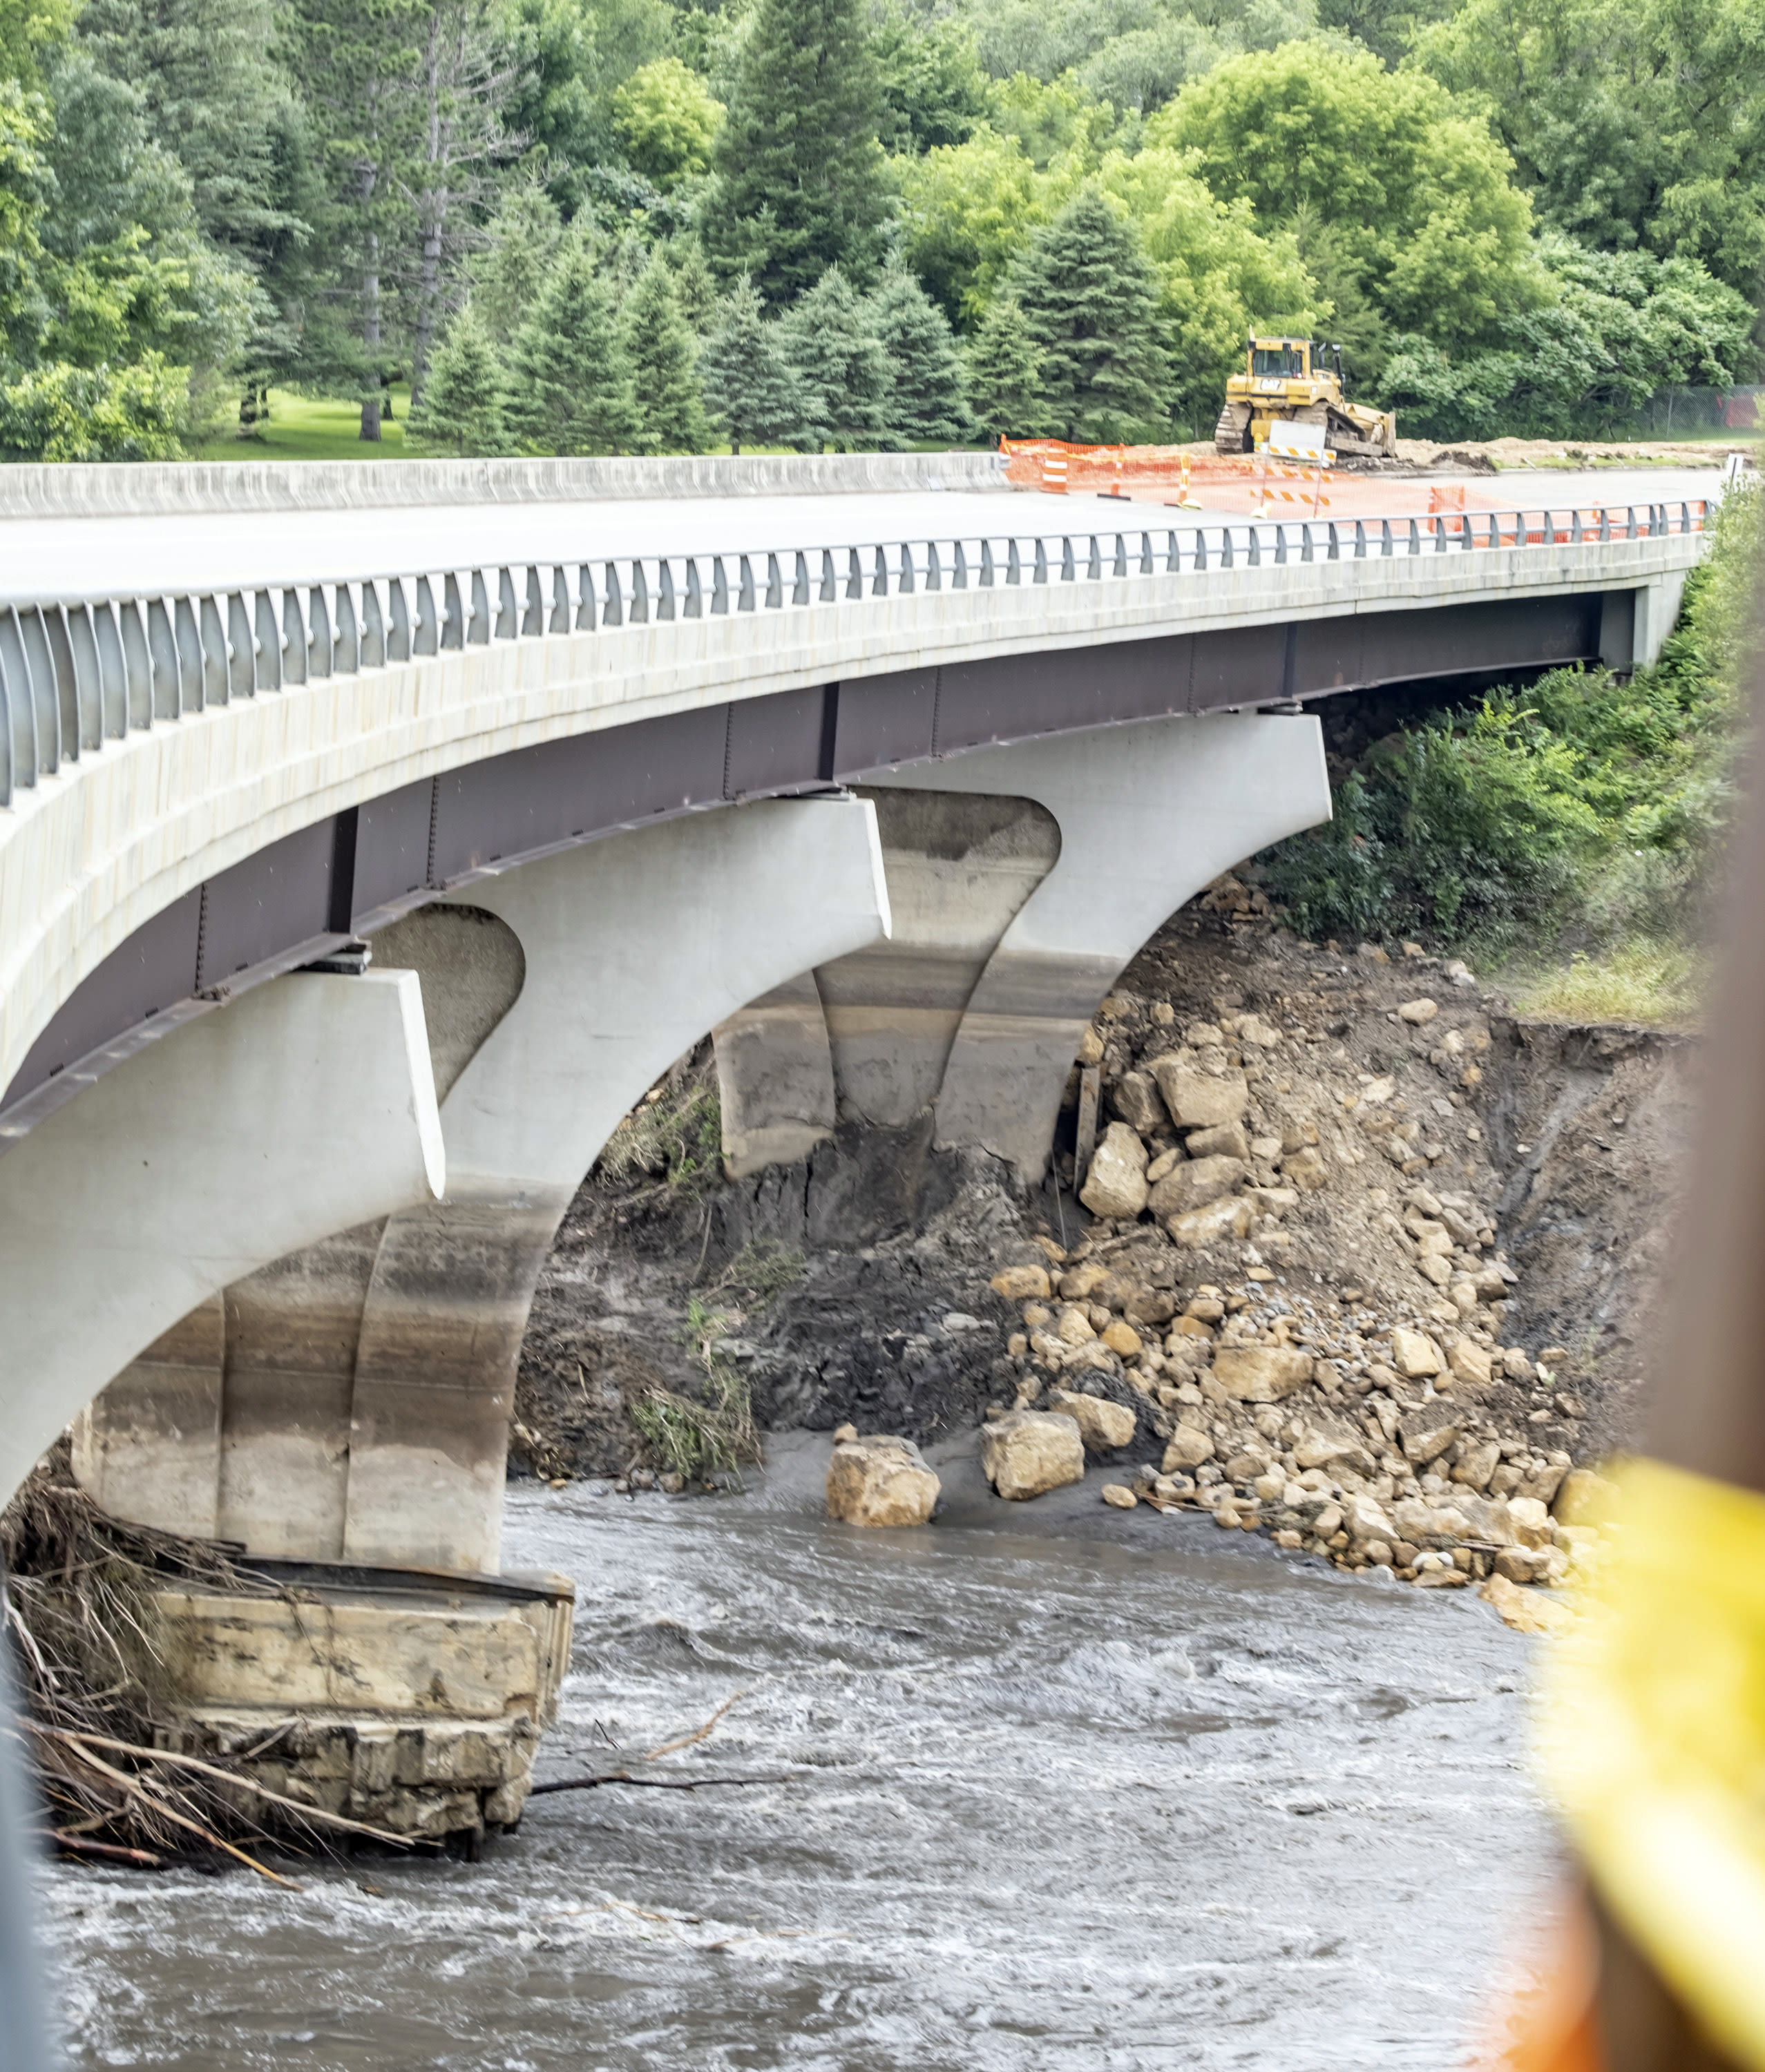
{"x": 1292, "y": 379}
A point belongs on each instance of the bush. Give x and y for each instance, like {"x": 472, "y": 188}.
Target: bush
{"x": 1583, "y": 809}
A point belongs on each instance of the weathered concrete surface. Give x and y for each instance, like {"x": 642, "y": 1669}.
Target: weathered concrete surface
{"x": 413, "y": 1702}
{"x": 1015, "y": 909}
{"x": 774, "y": 1077}
{"x": 1148, "y": 814}
{"x": 305, "y": 1108}
{"x": 960, "y": 865}
{"x": 368, "y": 1382}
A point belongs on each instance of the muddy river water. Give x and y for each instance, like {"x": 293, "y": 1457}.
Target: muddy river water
{"x": 1056, "y": 1788}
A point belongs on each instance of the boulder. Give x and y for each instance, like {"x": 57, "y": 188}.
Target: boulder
{"x": 1072, "y": 1326}
{"x": 1523, "y": 1610}
{"x": 1189, "y": 1447}
{"x": 1326, "y": 1442}
{"x": 1104, "y": 1427}
{"x": 1197, "y": 1229}
{"x": 1469, "y": 1363}
{"x": 1225, "y": 1139}
{"x": 1585, "y": 1498}
{"x": 1022, "y": 1284}
{"x": 1123, "y": 1339}
{"x": 1522, "y": 1564}
{"x": 1136, "y": 1099}
{"x": 1198, "y": 1099}
{"x": 1529, "y": 1523}
{"x": 1415, "y": 1355}
{"x": 1150, "y": 1306}
{"x": 1026, "y": 1453}
{"x": 1119, "y": 1496}
{"x": 1418, "y": 1012}
{"x": 1427, "y": 1433}
{"x": 1194, "y": 1184}
{"x": 1116, "y": 1186}
{"x": 1262, "y": 1374}
{"x": 1477, "y": 1461}
{"x": 1305, "y": 1169}
{"x": 879, "y": 1481}
{"x": 1363, "y": 1519}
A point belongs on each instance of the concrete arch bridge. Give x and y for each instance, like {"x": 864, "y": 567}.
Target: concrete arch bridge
{"x": 883, "y": 773}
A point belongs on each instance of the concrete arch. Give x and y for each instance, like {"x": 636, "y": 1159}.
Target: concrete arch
{"x": 373, "y": 1425}
{"x": 307, "y": 1107}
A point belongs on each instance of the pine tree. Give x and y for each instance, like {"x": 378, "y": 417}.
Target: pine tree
{"x": 569, "y": 389}
{"x": 800, "y": 178}
{"x": 1090, "y": 302}
{"x": 829, "y": 337}
{"x": 508, "y": 275}
{"x": 663, "y": 355}
{"x": 1005, "y": 374}
{"x": 751, "y": 388}
{"x": 925, "y": 402}
{"x": 461, "y": 407}
{"x": 695, "y": 289}
{"x": 355, "y": 61}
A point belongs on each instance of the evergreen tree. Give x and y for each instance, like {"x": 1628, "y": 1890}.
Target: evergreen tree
{"x": 695, "y": 289}
{"x": 800, "y": 179}
{"x": 925, "y": 402}
{"x": 830, "y": 338}
{"x": 356, "y": 60}
{"x": 1005, "y": 374}
{"x": 1090, "y": 302}
{"x": 663, "y": 355}
{"x": 569, "y": 389}
{"x": 461, "y": 407}
{"x": 751, "y": 388}
{"x": 509, "y": 273}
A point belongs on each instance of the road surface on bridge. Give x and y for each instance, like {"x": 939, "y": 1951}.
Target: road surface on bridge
{"x": 120, "y": 555}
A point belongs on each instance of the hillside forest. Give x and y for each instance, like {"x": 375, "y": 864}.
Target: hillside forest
{"x": 602, "y": 226}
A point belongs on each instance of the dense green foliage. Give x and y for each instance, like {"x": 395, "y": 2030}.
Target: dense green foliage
{"x": 961, "y": 218}
{"x": 1584, "y": 805}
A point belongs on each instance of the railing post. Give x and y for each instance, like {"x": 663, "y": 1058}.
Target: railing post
{"x": 830, "y": 582}
{"x": 934, "y": 570}
{"x": 879, "y": 576}
{"x": 959, "y": 573}
{"x": 744, "y": 599}
{"x": 774, "y": 584}
{"x": 854, "y": 576}
{"x": 1360, "y": 541}
{"x": 720, "y": 588}
{"x": 1069, "y": 568}
{"x": 694, "y": 606}
{"x": 1041, "y": 575}
{"x": 1173, "y": 554}
{"x": 664, "y": 589}
{"x": 1013, "y": 562}
{"x": 1385, "y": 543}
{"x": 613, "y": 606}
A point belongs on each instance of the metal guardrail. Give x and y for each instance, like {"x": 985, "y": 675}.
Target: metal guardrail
{"x": 75, "y": 674}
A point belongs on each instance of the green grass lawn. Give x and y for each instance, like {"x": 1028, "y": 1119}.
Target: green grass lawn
{"x": 312, "y": 428}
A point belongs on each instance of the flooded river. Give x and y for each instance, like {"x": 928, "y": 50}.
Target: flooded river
{"x": 1054, "y": 1788}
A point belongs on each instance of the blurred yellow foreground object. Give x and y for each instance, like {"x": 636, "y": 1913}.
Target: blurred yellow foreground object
{"x": 1651, "y": 1740}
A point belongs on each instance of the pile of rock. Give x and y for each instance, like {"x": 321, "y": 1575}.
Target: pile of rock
{"x": 1291, "y": 1291}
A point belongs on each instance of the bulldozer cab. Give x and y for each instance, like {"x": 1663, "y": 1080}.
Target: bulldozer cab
{"x": 1279, "y": 358}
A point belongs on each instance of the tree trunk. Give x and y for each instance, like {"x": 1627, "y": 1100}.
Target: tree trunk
{"x": 370, "y": 311}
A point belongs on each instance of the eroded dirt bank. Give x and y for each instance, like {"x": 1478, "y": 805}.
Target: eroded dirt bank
{"x": 1499, "y": 1189}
